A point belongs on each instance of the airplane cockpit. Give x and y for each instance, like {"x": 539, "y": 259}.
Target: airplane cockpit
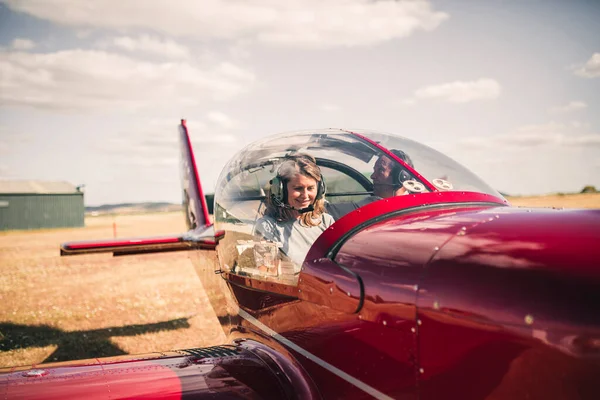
{"x": 348, "y": 161}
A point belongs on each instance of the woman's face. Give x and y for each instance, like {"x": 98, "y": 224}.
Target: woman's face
{"x": 301, "y": 191}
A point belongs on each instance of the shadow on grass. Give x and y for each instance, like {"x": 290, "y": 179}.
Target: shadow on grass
{"x": 78, "y": 344}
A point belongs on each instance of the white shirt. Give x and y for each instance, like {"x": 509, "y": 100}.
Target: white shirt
{"x": 295, "y": 238}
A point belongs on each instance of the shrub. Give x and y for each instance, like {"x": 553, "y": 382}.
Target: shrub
{"x": 589, "y": 189}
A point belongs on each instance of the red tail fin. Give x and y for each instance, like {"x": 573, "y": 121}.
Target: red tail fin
{"x": 201, "y": 234}
{"x": 194, "y": 201}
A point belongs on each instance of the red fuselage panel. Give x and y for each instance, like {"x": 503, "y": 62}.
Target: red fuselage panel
{"x": 227, "y": 372}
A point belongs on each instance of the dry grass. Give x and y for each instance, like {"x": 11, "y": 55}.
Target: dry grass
{"x": 61, "y": 308}
{"x": 583, "y": 200}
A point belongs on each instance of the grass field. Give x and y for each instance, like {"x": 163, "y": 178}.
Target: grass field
{"x": 62, "y": 308}
{"x": 581, "y": 200}
{"x": 59, "y": 308}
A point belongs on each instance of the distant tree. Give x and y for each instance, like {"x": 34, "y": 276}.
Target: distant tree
{"x": 210, "y": 200}
{"x": 589, "y": 189}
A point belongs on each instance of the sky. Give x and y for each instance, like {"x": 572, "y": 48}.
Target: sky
{"x": 92, "y": 92}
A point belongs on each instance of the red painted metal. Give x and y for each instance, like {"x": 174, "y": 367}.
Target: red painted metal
{"x": 196, "y": 239}
{"x": 243, "y": 373}
{"x": 377, "y": 346}
{"x": 509, "y": 307}
{"x": 124, "y": 242}
{"x": 373, "y": 354}
{"x": 390, "y": 256}
{"x": 137, "y": 246}
{"x": 365, "y": 351}
{"x": 390, "y": 250}
{"x": 426, "y": 296}
{"x": 503, "y": 285}
{"x": 379, "y": 209}
{"x": 323, "y": 282}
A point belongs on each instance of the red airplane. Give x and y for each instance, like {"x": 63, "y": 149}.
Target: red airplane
{"x": 443, "y": 292}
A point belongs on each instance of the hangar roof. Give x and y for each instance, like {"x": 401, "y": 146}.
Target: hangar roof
{"x": 36, "y": 187}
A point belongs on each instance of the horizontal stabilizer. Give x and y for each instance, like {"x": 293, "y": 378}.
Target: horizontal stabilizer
{"x": 201, "y": 238}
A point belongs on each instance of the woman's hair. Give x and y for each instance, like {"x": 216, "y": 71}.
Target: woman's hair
{"x": 296, "y": 164}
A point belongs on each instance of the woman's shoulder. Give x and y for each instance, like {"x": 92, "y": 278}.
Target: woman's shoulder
{"x": 327, "y": 220}
{"x": 266, "y": 219}
{"x": 266, "y": 224}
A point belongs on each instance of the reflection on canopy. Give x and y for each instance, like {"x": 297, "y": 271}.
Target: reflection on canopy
{"x": 346, "y": 160}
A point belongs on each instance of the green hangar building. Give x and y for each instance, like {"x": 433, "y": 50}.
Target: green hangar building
{"x": 39, "y": 205}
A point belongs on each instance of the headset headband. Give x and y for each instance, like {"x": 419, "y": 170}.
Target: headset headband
{"x": 399, "y": 173}
{"x": 279, "y": 186}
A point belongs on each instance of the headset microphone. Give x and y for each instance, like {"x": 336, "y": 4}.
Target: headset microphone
{"x": 306, "y": 209}
{"x": 280, "y": 204}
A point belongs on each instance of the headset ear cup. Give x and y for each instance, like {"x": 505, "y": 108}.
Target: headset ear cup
{"x": 321, "y": 188}
{"x": 400, "y": 175}
{"x": 396, "y": 172}
{"x": 277, "y": 189}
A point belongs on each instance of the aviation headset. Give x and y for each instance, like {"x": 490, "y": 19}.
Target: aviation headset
{"x": 398, "y": 172}
{"x": 279, "y": 187}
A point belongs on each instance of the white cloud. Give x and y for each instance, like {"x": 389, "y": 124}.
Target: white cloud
{"x": 147, "y": 161}
{"x": 460, "y": 91}
{"x": 303, "y": 23}
{"x": 152, "y": 45}
{"x": 329, "y": 107}
{"x": 92, "y": 80}
{"x": 579, "y": 124}
{"x": 83, "y": 33}
{"x": 221, "y": 119}
{"x": 11, "y": 139}
{"x": 22, "y": 44}
{"x": 583, "y": 140}
{"x": 5, "y": 172}
{"x": 554, "y": 134}
{"x": 157, "y": 137}
{"x": 571, "y": 106}
{"x": 532, "y": 159}
{"x": 151, "y": 151}
{"x": 591, "y": 68}
{"x": 239, "y": 52}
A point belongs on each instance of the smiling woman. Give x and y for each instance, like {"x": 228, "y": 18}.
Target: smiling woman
{"x": 295, "y": 214}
